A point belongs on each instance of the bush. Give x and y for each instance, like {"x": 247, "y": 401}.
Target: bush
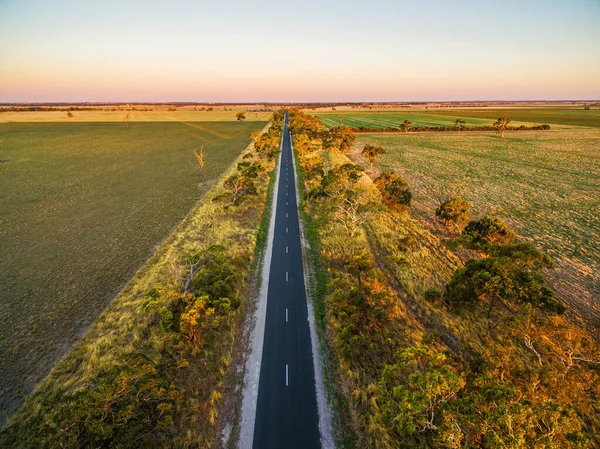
{"x": 510, "y": 276}
{"x": 395, "y": 191}
{"x": 455, "y": 212}
{"x": 489, "y": 231}
{"x": 433, "y": 294}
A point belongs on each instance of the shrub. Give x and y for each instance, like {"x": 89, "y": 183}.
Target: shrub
{"x": 433, "y": 294}
{"x": 455, "y": 212}
{"x": 488, "y": 231}
{"x": 395, "y": 191}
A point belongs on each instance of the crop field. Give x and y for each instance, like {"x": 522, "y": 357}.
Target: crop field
{"x": 550, "y": 116}
{"x": 158, "y": 114}
{"x": 381, "y": 120}
{"x": 82, "y": 206}
{"x": 545, "y": 185}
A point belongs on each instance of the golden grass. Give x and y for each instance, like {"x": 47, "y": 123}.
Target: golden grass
{"x": 159, "y": 114}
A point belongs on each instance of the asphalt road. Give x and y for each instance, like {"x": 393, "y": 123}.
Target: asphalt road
{"x": 286, "y": 414}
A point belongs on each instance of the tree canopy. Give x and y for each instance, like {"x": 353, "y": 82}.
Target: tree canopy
{"x": 371, "y": 153}
{"x": 394, "y": 190}
{"x": 455, "y": 212}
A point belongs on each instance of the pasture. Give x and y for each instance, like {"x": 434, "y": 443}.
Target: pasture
{"x": 82, "y": 206}
{"x": 393, "y": 119}
{"x": 545, "y": 185}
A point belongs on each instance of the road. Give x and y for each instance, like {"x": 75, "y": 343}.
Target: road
{"x": 286, "y": 413}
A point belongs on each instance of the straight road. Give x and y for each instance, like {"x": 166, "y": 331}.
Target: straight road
{"x": 286, "y": 414}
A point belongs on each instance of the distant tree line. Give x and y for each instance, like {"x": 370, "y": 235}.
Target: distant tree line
{"x": 418, "y": 128}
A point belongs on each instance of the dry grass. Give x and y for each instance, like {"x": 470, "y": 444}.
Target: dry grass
{"x": 544, "y": 185}
{"x": 158, "y": 114}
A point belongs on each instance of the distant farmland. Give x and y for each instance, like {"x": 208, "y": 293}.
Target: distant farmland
{"x": 82, "y": 205}
{"x": 381, "y": 120}
{"x": 551, "y": 116}
{"x": 545, "y": 185}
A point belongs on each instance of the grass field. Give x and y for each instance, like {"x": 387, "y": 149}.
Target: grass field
{"x": 544, "y": 185}
{"x": 394, "y": 119}
{"x": 82, "y": 205}
{"x": 550, "y": 116}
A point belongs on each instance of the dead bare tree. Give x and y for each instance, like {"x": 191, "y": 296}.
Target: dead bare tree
{"x": 185, "y": 274}
{"x": 200, "y": 161}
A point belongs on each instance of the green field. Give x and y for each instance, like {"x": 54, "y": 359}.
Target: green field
{"x": 551, "y": 116}
{"x": 82, "y": 206}
{"x": 380, "y": 120}
{"x": 545, "y": 185}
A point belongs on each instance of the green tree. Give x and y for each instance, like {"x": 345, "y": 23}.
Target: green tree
{"x": 459, "y": 124}
{"x": 501, "y": 124}
{"x": 351, "y": 207}
{"x": 238, "y": 187}
{"x": 413, "y": 393}
{"x": 510, "y": 276}
{"x": 340, "y": 138}
{"x": 455, "y": 212}
{"x": 371, "y": 153}
{"x": 241, "y": 116}
{"x": 395, "y": 191}
{"x": 405, "y": 126}
{"x": 488, "y": 231}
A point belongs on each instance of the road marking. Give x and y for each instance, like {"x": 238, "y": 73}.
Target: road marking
{"x": 287, "y": 380}
{"x": 286, "y": 230}
{"x": 286, "y": 203}
{"x": 286, "y": 215}
{"x": 286, "y": 277}
{"x": 287, "y": 249}
{"x": 286, "y": 193}
{"x": 286, "y": 315}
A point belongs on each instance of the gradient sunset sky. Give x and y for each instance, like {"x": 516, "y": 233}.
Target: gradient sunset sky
{"x": 238, "y": 51}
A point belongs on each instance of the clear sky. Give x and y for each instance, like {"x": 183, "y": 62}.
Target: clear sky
{"x": 288, "y": 50}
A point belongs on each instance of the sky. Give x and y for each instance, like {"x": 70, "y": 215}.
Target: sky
{"x": 298, "y": 51}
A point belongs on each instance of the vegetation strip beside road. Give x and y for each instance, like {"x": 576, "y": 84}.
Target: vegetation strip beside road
{"x": 153, "y": 368}
{"x": 432, "y": 347}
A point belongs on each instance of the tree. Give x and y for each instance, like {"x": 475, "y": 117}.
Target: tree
{"x": 488, "y": 231}
{"x": 239, "y": 186}
{"x": 200, "y": 161}
{"x": 395, "y": 191}
{"x": 511, "y": 275}
{"x": 302, "y": 143}
{"x": 340, "y": 138}
{"x": 459, "y": 124}
{"x": 371, "y": 153}
{"x": 455, "y": 212}
{"x": 241, "y": 116}
{"x": 413, "y": 392}
{"x": 69, "y": 114}
{"x": 313, "y": 169}
{"x": 405, "y": 126}
{"x": 501, "y": 124}
{"x": 352, "y": 207}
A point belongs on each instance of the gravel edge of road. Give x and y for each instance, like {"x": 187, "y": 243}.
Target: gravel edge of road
{"x": 257, "y": 323}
